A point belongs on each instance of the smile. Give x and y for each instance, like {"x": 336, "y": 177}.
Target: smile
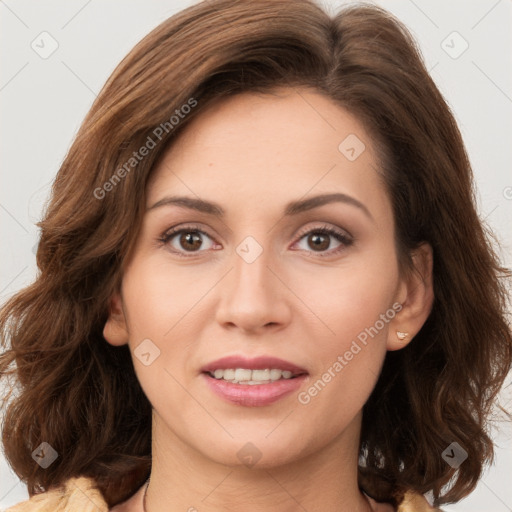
{"x": 254, "y": 393}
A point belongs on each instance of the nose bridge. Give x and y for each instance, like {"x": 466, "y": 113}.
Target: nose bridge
{"x": 251, "y": 261}
{"x": 251, "y": 296}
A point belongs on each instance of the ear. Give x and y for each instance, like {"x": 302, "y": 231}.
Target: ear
{"x": 416, "y": 295}
{"x": 116, "y": 329}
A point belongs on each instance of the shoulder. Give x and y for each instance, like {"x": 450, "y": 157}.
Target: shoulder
{"x": 77, "y": 494}
{"x": 81, "y": 494}
{"x": 414, "y": 502}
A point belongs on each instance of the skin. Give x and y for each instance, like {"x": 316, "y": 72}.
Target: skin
{"x": 252, "y": 154}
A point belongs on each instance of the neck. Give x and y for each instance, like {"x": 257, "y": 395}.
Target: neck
{"x": 183, "y": 479}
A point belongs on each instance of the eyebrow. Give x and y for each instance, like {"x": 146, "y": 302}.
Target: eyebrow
{"x": 292, "y": 208}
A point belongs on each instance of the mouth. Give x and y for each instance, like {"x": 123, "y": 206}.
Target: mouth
{"x": 239, "y": 369}
{"x": 246, "y": 376}
{"x": 253, "y": 382}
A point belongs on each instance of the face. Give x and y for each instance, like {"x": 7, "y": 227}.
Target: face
{"x": 262, "y": 280}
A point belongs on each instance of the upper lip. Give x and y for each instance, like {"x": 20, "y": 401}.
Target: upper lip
{"x": 256, "y": 363}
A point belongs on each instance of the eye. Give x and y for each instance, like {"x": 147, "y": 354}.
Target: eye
{"x": 189, "y": 241}
{"x": 319, "y": 240}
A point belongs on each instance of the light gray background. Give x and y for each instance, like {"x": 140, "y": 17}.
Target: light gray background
{"x": 43, "y": 101}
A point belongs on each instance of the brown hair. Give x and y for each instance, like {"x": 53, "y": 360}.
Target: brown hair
{"x": 81, "y": 395}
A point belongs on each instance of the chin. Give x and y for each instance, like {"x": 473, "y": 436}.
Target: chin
{"x": 257, "y": 451}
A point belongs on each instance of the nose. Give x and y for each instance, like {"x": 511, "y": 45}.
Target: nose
{"x": 253, "y": 296}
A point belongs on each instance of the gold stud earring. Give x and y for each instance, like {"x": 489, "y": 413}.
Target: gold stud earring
{"x": 401, "y": 335}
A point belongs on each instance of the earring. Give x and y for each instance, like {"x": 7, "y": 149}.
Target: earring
{"x": 401, "y": 335}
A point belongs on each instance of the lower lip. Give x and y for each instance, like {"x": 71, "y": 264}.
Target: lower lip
{"x": 253, "y": 395}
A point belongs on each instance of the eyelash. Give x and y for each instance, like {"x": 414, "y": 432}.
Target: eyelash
{"x": 345, "y": 240}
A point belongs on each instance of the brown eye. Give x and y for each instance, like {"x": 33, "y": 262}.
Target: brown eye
{"x": 318, "y": 241}
{"x": 190, "y": 240}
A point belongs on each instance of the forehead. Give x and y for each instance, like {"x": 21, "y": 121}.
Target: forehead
{"x": 261, "y": 147}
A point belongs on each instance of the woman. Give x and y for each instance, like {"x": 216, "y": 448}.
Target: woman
{"x": 263, "y": 281}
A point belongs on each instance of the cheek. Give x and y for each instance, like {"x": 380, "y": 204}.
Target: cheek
{"x": 350, "y": 351}
{"x": 156, "y": 305}
{"x": 349, "y": 301}
{"x": 158, "y": 299}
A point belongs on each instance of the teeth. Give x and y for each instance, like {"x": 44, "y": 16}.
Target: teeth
{"x": 218, "y": 374}
{"x": 251, "y": 377}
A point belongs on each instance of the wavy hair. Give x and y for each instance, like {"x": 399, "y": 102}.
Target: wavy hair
{"x": 80, "y": 394}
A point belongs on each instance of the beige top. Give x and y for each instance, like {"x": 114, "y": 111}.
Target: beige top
{"x": 81, "y": 495}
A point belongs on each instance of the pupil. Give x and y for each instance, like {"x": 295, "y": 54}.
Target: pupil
{"x": 189, "y": 239}
{"x": 319, "y": 245}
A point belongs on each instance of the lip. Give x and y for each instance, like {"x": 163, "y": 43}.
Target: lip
{"x": 253, "y": 396}
{"x": 256, "y": 363}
